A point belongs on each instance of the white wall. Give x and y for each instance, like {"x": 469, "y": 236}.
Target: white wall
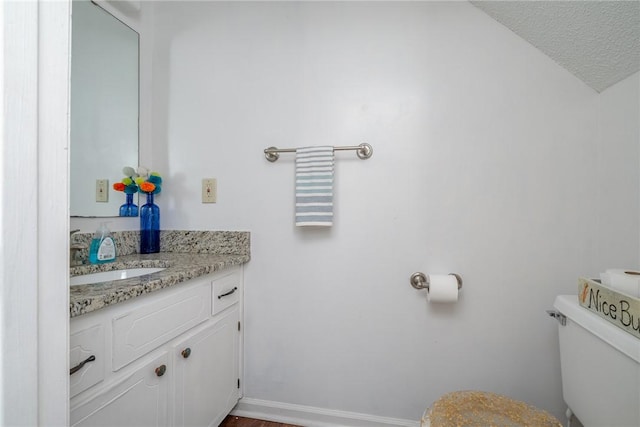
{"x": 620, "y": 136}
{"x": 487, "y": 162}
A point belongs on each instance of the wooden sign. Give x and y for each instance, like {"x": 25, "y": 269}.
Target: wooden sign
{"x": 620, "y": 309}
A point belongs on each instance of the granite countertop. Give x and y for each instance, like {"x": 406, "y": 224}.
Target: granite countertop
{"x": 179, "y": 267}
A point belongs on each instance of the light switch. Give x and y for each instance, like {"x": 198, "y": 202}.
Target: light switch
{"x": 102, "y": 190}
{"x": 209, "y": 190}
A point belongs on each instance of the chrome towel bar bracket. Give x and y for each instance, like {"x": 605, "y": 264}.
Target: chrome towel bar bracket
{"x": 364, "y": 151}
{"x": 421, "y": 281}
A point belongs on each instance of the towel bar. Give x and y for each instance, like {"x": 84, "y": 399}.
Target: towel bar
{"x": 364, "y": 151}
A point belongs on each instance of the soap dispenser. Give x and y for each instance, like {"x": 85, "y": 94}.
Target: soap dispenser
{"x": 103, "y": 248}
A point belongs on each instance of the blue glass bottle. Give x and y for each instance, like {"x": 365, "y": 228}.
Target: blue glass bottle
{"x": 129, "y": 208}
{"x": 149, "y": 227}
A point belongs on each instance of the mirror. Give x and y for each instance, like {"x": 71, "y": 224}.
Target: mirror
{"x": 104, "y": 108}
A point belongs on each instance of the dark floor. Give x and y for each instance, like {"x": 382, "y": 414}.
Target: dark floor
{"x": 232, "y": 421}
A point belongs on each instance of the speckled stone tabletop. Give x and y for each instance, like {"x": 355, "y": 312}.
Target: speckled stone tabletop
{"x": 185, "y": 255}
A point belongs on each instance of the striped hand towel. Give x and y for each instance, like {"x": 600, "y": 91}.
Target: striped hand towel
{"x": 314, "y": 186}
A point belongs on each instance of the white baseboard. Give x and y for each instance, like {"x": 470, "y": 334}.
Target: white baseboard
{"x": 309, "y": 416}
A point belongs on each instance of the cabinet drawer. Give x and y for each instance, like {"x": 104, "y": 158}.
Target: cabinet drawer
{"x": 84, "y": 344}
{"x": 139, "y": 331}
{"x": 226, "y": 292}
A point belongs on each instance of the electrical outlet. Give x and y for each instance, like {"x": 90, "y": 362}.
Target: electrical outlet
{"x": 209, "y": 190}
{"x": 102, "y": 190}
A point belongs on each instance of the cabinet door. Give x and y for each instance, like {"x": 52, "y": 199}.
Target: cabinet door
{"x": 87, "y": 346}
{"x": 206, "y": 372}
{"x": 140, "y": 399}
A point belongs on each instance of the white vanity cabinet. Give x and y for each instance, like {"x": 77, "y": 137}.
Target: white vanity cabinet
{"x": 171, "y": 357}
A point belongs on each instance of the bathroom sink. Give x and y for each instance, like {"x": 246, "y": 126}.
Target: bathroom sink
{"x": 107, "y": 276}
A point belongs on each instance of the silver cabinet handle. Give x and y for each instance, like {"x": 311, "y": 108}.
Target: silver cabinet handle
{"x": 228, "y": 293}
{"x": 81, "y": 364}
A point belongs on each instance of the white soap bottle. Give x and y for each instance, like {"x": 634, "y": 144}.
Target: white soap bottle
{"x": 103, "y": 247}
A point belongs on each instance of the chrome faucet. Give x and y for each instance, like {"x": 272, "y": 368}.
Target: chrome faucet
{"x": 74, "y": 250}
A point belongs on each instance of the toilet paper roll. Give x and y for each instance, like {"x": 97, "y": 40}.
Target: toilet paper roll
{"x": 442, "y": 288}
{"x": 625, "y": 280}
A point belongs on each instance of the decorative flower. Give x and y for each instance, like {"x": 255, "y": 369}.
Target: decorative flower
{"x": 147, "y": 187}
{"x": 127, "y": 184}
{"x": 150, "y": 184}
{"x": 141, "y": 180}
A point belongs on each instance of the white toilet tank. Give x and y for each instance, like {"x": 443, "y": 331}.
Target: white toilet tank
{"x": 600, "y": 368}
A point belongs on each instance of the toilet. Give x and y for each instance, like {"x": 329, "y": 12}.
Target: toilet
{"x": 600, "y": 365}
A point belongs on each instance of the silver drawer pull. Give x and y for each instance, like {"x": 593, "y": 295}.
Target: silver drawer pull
{"x": 81, "y": 364}
{"x": 228, "y": 293}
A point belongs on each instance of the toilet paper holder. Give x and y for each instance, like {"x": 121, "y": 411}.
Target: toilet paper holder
{"x": 420, "y": 280}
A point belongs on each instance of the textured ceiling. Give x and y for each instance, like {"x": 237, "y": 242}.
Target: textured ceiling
{"x": 597, "y": 41}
